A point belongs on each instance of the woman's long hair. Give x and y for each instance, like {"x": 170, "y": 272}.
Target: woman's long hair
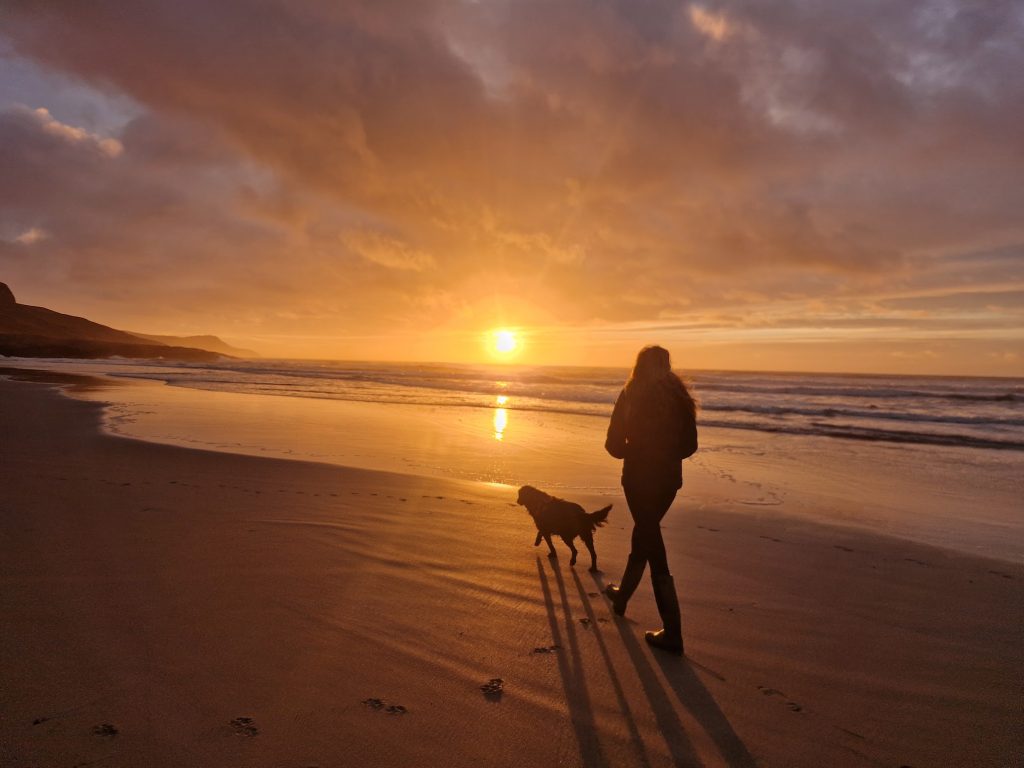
{"x": 653, "y": 381}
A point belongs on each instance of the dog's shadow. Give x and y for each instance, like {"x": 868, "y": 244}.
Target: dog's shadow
{"x": 574, "y": 681}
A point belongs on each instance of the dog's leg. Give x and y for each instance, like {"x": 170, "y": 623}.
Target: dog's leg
{"x": 551, "y": 547}
{"x": 588, "y": 539}
{"x": 568, "y": 543}
{"x": 539, "y": 537}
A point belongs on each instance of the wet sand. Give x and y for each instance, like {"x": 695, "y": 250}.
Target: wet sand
{"x": 166, "y": 606}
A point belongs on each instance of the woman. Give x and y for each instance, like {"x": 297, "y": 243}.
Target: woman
{"x": 653, "y": 428}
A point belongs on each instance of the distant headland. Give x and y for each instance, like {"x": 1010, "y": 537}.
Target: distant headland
{"x": 27, "y": 331}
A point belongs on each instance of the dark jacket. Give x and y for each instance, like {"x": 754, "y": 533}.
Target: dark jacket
{"x": 652, "y": 431}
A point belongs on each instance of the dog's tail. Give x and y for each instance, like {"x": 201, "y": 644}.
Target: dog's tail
{"x": 599, "y": 518}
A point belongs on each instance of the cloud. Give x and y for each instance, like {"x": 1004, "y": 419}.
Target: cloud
{"x": 715, "y": 25}
{"x": 30, "y": 236}
{"x": 661, "y": 161}
{"x": 75, "y": 135}
{"x": 387, "y": 251}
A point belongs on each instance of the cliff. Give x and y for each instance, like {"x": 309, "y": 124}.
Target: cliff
{"x": 28, "y": 331}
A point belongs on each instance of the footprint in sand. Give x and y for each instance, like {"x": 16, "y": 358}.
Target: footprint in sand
{"x": 382, "y": 706}
{"x": 493, "y": 688}
{"x": 791, "y": 705}
{"x": 105, "y": 729}
{"x": 244, "y": 726}
{"x": 585, "y": 623}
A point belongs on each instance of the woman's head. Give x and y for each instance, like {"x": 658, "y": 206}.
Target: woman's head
{"x": 652, "y": 362}
{"x": 652, "y": 379}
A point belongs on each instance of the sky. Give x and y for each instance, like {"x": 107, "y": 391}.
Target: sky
{"x": 780, "y": 185}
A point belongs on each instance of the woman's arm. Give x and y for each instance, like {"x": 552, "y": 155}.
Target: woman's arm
{"x": 615, "y": 443}
{"x": 688, "y": 436}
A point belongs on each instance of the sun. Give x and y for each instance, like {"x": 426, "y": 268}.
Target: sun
{"x": 504, "y": 341}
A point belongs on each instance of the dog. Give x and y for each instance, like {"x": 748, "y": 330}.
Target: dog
{"x": 565, "y": 519}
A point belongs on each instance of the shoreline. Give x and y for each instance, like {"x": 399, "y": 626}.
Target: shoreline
{"x": 170, "y": 592}
{"x": 955, "y": 499}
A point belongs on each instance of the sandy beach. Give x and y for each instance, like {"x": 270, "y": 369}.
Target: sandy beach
{"x": 166, "y": 606}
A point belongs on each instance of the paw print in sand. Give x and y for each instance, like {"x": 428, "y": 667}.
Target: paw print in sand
{"x": 544, "y": 649}
{"x": 493, "y": 687}
{"x": 383, "y": 706}
{"x": 244, "y": 726}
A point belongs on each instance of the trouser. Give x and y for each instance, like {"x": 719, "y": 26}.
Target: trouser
{"x": 648, "y": 504}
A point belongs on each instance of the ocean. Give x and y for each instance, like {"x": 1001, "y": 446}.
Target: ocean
{"x": 933, "y": 459}
{"x": 965, "y": 412}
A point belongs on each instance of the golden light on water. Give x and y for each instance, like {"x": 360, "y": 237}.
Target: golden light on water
{"x": 500, "y": 418}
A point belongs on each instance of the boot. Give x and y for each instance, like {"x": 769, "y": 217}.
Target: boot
{"x": 670, "y": 638}
{"x": 627, "y": 586}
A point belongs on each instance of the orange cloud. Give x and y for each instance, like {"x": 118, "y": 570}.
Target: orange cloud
{"x": 335, "y": 171}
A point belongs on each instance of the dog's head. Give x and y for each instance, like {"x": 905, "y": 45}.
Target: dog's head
{"x": 531, "y": 498}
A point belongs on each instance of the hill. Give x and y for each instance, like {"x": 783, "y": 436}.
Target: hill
{"x": 28, "y": 331}
{"x": 209, "y": 343}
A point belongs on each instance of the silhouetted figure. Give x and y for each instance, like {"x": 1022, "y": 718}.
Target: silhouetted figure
{"x": 653, "y": 428}
{"x": 565, "y": 519}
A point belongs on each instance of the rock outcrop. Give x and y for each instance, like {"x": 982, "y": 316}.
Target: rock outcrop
{"x": 27, "y": 331}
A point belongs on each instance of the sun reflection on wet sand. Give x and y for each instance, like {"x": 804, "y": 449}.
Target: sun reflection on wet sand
{"x": 500, "y": 418}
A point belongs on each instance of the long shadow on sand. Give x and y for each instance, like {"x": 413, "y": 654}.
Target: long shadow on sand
{"x": 573, "y": 678}
{"x": 636, "y": 739}
{"x": 689, "y": 691}
{"x": 669, "y": 724}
